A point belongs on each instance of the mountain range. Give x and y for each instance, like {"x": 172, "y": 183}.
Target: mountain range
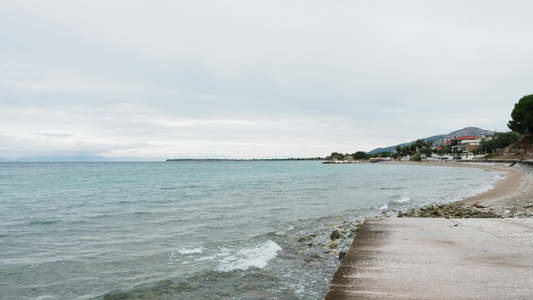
{"x": 438, "y": 140}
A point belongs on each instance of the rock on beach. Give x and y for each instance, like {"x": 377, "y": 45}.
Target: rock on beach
{"x": 449, "y": 211}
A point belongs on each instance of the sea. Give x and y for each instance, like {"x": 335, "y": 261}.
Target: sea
{"x": 198, "y": 229}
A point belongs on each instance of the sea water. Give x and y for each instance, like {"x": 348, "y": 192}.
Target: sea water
{"x": 197, "y": 230}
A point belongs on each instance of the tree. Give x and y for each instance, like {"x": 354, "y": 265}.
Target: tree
{"x": 406, "y": 150}
{"x": 499, "y": 141}
{"x": 359, "y": 155}
{"x": 384, "y": 154}
{"x": 416, "y": 157}
{"x": 446, "y": 150}
{"x": 337, "y": 155}
{"x": 426, "y": 150}
{"x": 507, "y": 138}
{"x": 420, "y": 142}
{"x": 522, "y": 116}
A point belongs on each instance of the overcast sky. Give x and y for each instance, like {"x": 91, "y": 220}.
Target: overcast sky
{"x": 255, "y": 79}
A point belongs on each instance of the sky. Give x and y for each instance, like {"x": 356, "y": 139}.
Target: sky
{"x": 254, "y": 79}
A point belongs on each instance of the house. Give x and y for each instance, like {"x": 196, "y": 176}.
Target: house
{"x": 465, "y": 143}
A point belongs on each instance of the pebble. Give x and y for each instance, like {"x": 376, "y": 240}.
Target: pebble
{"x": 449, "y": 211}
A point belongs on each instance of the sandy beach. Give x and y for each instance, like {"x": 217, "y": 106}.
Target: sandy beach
{"x": 511, "y": 196}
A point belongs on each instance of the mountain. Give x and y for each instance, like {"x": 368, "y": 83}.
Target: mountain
{"x": 438, "y": 139}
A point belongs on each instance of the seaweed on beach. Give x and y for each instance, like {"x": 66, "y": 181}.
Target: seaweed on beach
{"x": 449, "y": 211}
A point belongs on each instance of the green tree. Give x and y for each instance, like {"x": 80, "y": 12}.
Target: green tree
{"x": 426, "y": 150}
{"x": 507, "y": 138}
{"x": 487, "y": 145}
{"x": 446, "y": 150}
{"x": 421, "y": 143}
{"x": 522, "y": 116}
{"x": 416, "y": 157}
{"x": 359, "y": 155}
{"x": 499, "y": 141}
{"x": 406, "y": 150}
{"x": 399, "y": 150}
{"x": 337, "y": 155}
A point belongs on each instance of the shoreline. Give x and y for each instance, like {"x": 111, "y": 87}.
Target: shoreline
{"x": 511, "y": 196}
{"x": 381, "y": 260}
{"x": 413, "y": 256}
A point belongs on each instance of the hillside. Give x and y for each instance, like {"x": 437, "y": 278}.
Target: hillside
{"x": 438, "y": 139}
{"x": 522, "y": 149}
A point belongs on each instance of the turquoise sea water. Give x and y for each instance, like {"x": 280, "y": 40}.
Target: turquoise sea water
{"x": 196, "y": 230}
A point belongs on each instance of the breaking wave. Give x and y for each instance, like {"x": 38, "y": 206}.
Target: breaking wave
{"x": 255, "y": 257}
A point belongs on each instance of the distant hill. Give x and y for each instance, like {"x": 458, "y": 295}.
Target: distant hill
{"x": 438, "y": 139}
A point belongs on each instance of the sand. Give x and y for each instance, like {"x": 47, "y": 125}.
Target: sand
{"x": 511, "y": 196}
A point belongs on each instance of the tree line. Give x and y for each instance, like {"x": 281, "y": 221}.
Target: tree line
{"x": 521, "y": 123}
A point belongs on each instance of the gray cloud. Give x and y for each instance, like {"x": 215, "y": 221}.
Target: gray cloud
{"x": 249, "y": 79}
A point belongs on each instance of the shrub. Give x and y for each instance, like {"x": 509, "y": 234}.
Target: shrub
{"x": 416, "y": 157}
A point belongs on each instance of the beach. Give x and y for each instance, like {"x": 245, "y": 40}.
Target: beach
{"x": 511, "y": 196}
{"x": 461, "y": 257}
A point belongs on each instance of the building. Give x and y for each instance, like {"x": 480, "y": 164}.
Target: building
{"x": 465, "y": 144}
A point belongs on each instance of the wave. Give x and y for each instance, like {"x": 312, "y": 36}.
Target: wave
{"x": 44, "y": 222}
{"x": 255, "y": 257}
{"x": 150, "y": 291}
{"x": 143, "y": 213}
{"x": 384, "y": 206}
{"x": 168, "y": 188}
{"x": 284, "y": 230}
{"x": 208, "y": 285}
{"x": 402, "y": 199}
{"x": 278, "y": 209}
{"x": 392, "y": 188}
{"x": 185, "y": 251}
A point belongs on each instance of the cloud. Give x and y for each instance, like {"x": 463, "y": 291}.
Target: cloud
{"x": 255, "y": 79}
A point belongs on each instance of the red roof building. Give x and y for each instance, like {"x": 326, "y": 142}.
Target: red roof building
{"x": 465, "y": 143}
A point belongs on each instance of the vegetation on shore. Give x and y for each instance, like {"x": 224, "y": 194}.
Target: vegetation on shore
{"x": 515, "y": 144}
{"x": 518, "y": 143}
{"x": 522, "y": 116}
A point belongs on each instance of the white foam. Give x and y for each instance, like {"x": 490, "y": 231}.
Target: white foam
{"x": 214, "y": 256}
{"x": 255, "y": 257}
{"x": 384, "y": 206}
{"x": 283, "y": 231}
{"x": 403, "y": 199}
{"x": 185, "y": 251}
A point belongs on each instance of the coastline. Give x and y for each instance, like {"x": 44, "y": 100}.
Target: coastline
{"x": 413, "y": 256}
{"x": 511, "y": 196}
